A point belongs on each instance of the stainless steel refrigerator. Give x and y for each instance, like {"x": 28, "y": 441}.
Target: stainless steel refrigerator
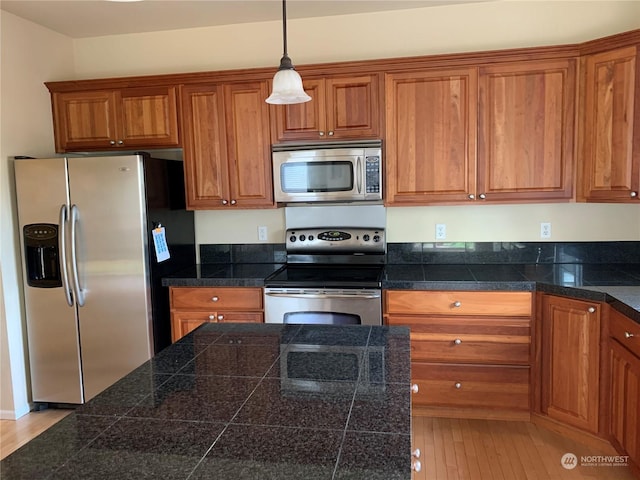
{"x": 94, "y": 302}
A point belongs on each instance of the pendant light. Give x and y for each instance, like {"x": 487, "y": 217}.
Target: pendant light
{"x": 287, "y": 84}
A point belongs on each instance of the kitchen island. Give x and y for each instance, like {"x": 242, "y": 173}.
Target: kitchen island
{"x": 243, "y": 401}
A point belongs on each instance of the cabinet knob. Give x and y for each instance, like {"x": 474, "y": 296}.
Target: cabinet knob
{"x": 215, "y": 299}
{"x": 212, "y": 317}
{"x": 321, "y": 134}
{"x": 591, "y": 309}
{"x": 416, "y": 465}
{"x": 416, "y": 453}
{"x": 458, "y": 385}
{"x": 220, "y": 317}
{"x": 634, "y": 194}
{"x": 331, "y": 134}
{"x": 457, "y": 341}
{"x": 233, "y": 202}
{"x": 472, "y": 196}
{"x": 112, "y": 142}
{"x": 482, "y": 196}
{"x": 414, "y": 388}
{"x": 224, "y": 202}
{"x": 457, "y": 304}
{"x": 628, "y": 335}
{"x": 120, "y": 142}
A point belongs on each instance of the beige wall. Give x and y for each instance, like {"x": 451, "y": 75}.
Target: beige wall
{"x": 30, "y": 55}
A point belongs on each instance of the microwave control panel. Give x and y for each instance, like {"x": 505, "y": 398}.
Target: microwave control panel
{"x": 372, "y": 165}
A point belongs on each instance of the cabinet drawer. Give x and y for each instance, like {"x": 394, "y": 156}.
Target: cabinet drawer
{"x": 218, "y": 298}
{"x": 468, "y": 340}
{"x": 458, "y": 303}
{"x": 625, "y": 331}
{"x": 447, "y": 385}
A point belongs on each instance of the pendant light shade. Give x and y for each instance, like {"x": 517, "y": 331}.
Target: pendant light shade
{"x": 287, "y": 84}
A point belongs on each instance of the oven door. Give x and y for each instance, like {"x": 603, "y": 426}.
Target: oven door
{"x": 323, "y": 306}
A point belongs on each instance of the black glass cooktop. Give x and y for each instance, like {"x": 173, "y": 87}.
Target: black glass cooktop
{"x": 326, "y": 276}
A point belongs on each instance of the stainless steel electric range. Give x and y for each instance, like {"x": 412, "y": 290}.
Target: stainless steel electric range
{"x": 333, "y": 275}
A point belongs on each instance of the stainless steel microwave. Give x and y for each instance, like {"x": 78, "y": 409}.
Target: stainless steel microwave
{"x": 328, "y": 172}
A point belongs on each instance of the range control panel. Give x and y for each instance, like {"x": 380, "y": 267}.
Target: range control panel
{"x": 343, "y": 240}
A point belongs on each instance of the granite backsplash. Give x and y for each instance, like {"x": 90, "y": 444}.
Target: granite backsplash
{"x": 466, "y": 253}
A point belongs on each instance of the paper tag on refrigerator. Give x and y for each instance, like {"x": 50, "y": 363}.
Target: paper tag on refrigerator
{"x": 160, "y": 244}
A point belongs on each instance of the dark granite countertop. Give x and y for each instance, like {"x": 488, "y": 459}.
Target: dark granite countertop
{"x": 617, "y": 284}
{"x": 215, "y": 405}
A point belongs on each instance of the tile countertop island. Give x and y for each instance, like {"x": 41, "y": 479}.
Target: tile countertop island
{"x": 218, "y": 404}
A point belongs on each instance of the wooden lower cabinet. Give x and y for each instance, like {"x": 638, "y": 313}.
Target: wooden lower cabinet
{"x": 571, "y": 356}
{"x": 470, "y": 351}
{"x": 193, "y": 306}
{"x": 624, "y": 356}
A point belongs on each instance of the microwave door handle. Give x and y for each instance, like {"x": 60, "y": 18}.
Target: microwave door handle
{"x": 322, "y": 295}
{"x": 359, "y": 175}
{"x": 64, "y": 218}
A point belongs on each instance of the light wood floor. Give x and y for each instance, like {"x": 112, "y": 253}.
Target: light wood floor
{"x": 461, "y": 449}
{"x": 451, "y": 449}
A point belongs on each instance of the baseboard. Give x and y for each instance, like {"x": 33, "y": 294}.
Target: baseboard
{"x": 15, "y": 414}
{"x": 477, "y": 413}
{"x": 575, "y": 434}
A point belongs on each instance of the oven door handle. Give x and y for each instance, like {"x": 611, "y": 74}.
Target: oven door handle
{"x": 322, "y": 295}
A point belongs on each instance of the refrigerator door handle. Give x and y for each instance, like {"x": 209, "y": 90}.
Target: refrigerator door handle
{"x": 63, "y": 254}
{"x": 74, "y": 260}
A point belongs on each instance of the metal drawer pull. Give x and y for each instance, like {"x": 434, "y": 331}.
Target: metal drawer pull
{"x": 458, "y": 385}
{"x": 628, "y": 335}
{"x": 591, "y": 309}
{"x": 416, "y": 465}
{"x": 457, "y": 303}
{"x": 220, "y": 317}
{"x": 416, "y": 453}
{"x": 414, "y": 388}
{"x": 215, "y": 299}
{"x": 212, "y": 317}
{"x": 457, "y": 341}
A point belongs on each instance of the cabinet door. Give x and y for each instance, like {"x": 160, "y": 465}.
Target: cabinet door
{"x": 611, "y": 131}
{"x": 148, "y": 117}
{"x": 302, "y": 121}
{"x": 571, "y": 361}
{"x": 85, "y": 120}
{"x": 183, "y": 322}
{"x": 205, "y": 159}
{"x": 353, "y": 107}
{"x": 625, "y": 399}
{"x": 431, "y": 136}
{"x": 248, "y": 145}
{"x": 526, "y": 131}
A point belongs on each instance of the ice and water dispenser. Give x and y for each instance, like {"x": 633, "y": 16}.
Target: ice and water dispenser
{"x": 42, "y": 255}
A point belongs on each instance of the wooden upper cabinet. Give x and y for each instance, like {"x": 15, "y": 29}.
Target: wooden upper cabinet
{"x": 611, "y": 130}
{"x": 226, "y": 146}
{"x": 571, "y": 356}
{"x": 526, "y": 131}
{"x": 340, "y": 108}
{"x": 141, "y": 117}
{"x": 431, "y": 131}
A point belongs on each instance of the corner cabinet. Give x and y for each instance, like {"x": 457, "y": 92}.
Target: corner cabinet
{"x": 624, "y": 353}
{"x": 193, "y": 306}
{"x": 611, "y": 129}
{"x": 570, "y": 361}
{"x": 340, "y": 108}
{"x": 227, "y": 146}
{"x": 470, "y": 351}
{"x": 142, "y": 117}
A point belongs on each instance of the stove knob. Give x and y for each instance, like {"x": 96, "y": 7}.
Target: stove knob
{"x": 376, "y": 238}
{"x": 365, "y": 237}
{"x": 302, "y": 238}
{"x": 292, "y": 238}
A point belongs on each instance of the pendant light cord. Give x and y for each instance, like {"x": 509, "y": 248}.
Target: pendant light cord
{"x": 284, "y": 26}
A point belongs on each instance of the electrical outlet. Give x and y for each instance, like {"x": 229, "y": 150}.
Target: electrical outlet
{"x": 441, "y": 231}
{"x": 262, "y": 233}
{"x": 545, "y": 230}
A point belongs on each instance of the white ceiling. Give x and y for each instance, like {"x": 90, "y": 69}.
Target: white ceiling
{"x": 94, "y": 18}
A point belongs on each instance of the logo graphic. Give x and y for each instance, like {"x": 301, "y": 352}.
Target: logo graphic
{"x": 569, "y": 461}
